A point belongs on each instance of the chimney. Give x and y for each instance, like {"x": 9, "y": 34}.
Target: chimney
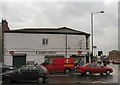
{"x": 5, "y": 25}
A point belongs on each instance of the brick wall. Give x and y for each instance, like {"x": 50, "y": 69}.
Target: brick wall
{"x": 115, "y": 54}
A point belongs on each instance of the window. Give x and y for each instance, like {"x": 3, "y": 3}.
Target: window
{"x": 25, "y": 68}
{"x": 98, "y": 65}
{"x": 91, "y": 65}
{"x": 49, "y": 61}
{"x": 45, "y": 41}
{"x": 41, "y": 69}
{"x": 33, "y": 68}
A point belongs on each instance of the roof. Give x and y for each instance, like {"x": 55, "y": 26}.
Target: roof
{"x": 62, "y": 30}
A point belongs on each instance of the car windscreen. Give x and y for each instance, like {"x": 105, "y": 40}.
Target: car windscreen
{"x": 19, "y": 68}
{"x": 86, "y": 64}
{"x": 42, "y": 68}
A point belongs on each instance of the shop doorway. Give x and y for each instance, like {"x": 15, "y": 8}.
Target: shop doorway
{"x": 77, "y": 58}
{"x": 19, "y": 60}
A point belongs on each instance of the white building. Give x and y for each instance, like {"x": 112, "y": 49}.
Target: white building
{"x": 36, "y": 44}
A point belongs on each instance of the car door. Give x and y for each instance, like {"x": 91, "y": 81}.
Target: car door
{"x": 49, "y": 65}
{"x": 17, "y": 75}
{"x": 91, "y": 67}
{"x": 25, "y": 73}
{"x": 21, "y": 73}
{"x": 34, "y": 73}
{"x": 97, "y": 68}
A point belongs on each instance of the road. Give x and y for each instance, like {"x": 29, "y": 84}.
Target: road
{"x": 76, "y": 79}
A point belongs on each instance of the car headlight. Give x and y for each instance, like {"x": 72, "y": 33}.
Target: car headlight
{"x": 11, "y": 67}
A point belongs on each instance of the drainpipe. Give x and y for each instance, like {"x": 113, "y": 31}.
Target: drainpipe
{"x": 1, "y": 43}
{"x": 66, "y": 45}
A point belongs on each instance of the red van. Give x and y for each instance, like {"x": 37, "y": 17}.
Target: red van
{"x": 59, "y": 64}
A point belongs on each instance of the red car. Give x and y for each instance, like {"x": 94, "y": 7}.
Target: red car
{"x": 91, "y": 68}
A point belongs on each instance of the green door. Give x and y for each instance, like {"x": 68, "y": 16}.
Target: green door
{"x": 19, "y": 60}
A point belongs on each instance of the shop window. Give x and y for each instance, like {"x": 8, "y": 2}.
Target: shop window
{"x": 30, "y": 62}
{"x": 53, "y": 56}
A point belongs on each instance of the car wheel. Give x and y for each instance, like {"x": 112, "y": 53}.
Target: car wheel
{"x": 67, "y": 70}
{"x": 40, "y": 80}
{"x": 87, "y": 73}
{"x": 107, "y": 72}
{"x": 7, "y": 80}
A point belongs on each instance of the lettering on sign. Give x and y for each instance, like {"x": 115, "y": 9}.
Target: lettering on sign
{"x": 46, "y": 52}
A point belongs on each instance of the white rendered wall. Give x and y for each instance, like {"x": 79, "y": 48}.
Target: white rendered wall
{"x": 30, "y": 43}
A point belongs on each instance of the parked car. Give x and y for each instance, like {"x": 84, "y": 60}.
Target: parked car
{"x": 65, "y": 65}
{"x": 116, "y": 61}
{"x": 91, "y": 68}
{"x": 26, "y": 73}
{"x": 5, "y": 67}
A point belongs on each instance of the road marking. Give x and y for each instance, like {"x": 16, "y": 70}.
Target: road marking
{"x": 115, "y": 72}
{"x": 98, "y": 82}
{"x": 59, "y": 75}
{"x": 93, "y": 82}
{"x": 76, "y": 73}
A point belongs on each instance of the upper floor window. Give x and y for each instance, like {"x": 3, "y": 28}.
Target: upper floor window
{"x": 45, "y": 41}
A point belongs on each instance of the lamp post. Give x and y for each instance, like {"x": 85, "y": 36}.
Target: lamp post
{"x": 92, "y": 32}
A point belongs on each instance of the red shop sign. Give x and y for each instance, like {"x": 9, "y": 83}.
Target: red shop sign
{"x": 79, "y": 52}
{"x": 11, "y": 52}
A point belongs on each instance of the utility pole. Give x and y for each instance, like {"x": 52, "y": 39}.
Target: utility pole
{"x": 92, "y": 32}
{"x": 66, "y": 45}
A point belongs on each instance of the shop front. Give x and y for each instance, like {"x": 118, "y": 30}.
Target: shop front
{"x": 18, "y": 58}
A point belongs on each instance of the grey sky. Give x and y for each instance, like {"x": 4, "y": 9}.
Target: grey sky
{"x": 75, "y": 15}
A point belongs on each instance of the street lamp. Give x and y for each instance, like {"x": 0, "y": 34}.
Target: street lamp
{"x": 92, "y": 32}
